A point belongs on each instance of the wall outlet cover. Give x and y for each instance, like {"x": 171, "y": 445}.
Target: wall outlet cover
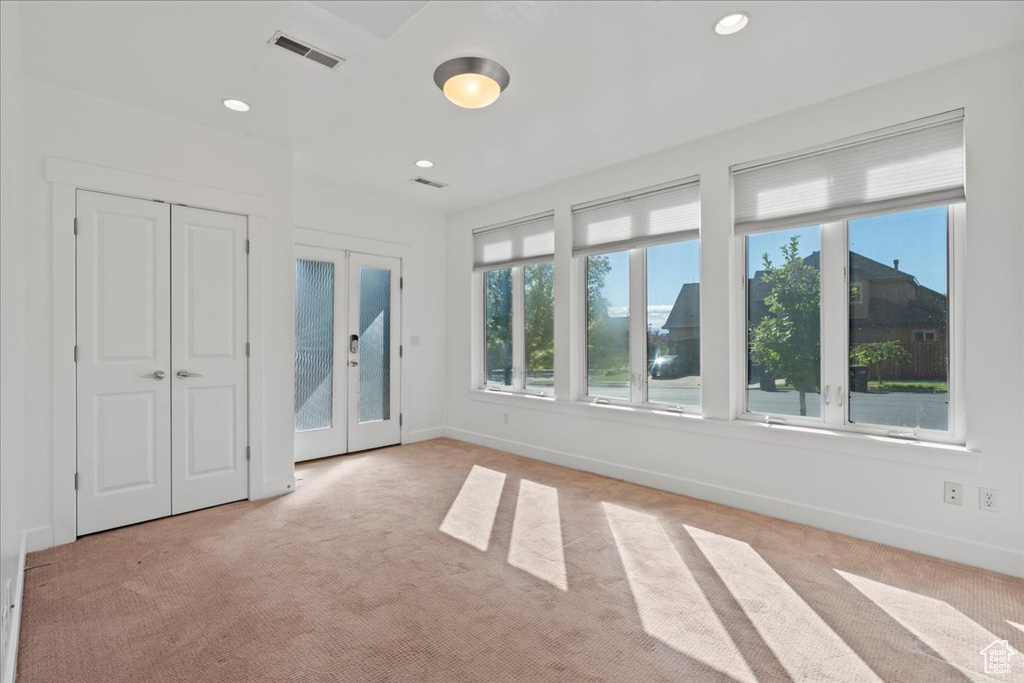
{"x": 953, "y": 493}
{"x": 988, "y": 499}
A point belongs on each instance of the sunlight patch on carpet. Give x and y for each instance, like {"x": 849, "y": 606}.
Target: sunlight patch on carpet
{"x": 471, "y": 517}
{"x": 803, "y": 643}
{"x": 536, "y": 545}
{"x": 955, "y": 637}
{"x": 672, "y": 606}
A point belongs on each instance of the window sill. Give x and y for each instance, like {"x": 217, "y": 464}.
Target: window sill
{"x": 924, "y": 453}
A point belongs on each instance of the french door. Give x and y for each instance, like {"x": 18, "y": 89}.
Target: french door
{"x": 347, "y": 346}
{"x": 321, "y": 427}
{"x": 161, "y": 359}
{"x": 374, "y": 316}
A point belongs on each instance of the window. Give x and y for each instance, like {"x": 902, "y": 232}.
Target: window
{"x": 848, "y": 283}
{"x": 855, "y": 293}
{"x": 899, "y": 375}
{"x": 784, "y": 322}
{"x": 608, "y": 325}
{"x": 539, "y": 312}
{"x": 673, "y": 323}
{"x": 498, "y": 326}
{"x": 517, "y": 274}
{"x": 640, "y": 255}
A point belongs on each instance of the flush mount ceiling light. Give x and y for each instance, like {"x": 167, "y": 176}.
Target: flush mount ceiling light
{"x": 425, "y": 163}
{"x": 732, "y": 23}
{"x": 471, "y": 82}
{"x": 235, "y": 105}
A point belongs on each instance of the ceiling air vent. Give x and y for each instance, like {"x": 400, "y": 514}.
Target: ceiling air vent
{"x": 429, "y": 183}
{"x": 315, "y": 54}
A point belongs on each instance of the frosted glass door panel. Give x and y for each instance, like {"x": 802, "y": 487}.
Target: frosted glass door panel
{"x": 314, "y": 344}
{"x": 375, "y": 337}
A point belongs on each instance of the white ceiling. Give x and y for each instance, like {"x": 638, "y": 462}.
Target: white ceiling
{"x": 593, "y": 83}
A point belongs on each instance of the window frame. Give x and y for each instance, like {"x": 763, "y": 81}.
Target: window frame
{"x": 518, "y": 332}
{"x": 638, "y": 380}
{"x": 835, "y": 342}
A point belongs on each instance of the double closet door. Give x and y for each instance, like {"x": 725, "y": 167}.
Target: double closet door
{"x": 347, "y": 352}
{"x": 161, "y": 357}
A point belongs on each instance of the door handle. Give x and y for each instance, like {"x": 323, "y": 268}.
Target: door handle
{"x": 353, "y": 363}
{"x": 185, "y": 374}
{"x": 158, "y": 375}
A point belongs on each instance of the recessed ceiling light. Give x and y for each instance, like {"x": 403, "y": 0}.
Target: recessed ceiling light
{"x": 235, "y": 105}
{"x": 425, "y": 163}
{"x": 732, "y": 23}
{"x": 471, "y": 82}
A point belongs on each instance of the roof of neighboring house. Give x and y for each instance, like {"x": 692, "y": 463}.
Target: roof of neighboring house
{"x": 686, "y": 310}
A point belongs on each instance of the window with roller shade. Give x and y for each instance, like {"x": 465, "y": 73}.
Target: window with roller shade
{"x": 640, "y": 256}
{"x": 849, "y": 261}
{"x": 515, "y": 262}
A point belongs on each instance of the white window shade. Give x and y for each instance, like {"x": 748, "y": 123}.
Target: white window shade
{"x": 527, "y": 240}
{"x": 663, "y": 214}
{"x": 902, "y": 167}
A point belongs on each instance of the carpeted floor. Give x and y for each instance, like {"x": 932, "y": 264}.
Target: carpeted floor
{"x": 385, "y": 566}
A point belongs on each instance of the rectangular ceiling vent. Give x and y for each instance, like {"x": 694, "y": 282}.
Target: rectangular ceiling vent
{"x": 309, "y": 52}
{"x": 429, "y": 183}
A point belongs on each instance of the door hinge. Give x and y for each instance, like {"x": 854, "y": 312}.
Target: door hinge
{"x": 248, "y": 452}
{"x": 76, "y": 353}
{"x": 76, "y": 481}
{"x": 248, "y": 349}
{"x": 400, "y": 350}
{"x": 401, "y": 283}
{"x": 399, "y": 419}
{"x": 76, "y": 225}
{"x": 247, "y": 246}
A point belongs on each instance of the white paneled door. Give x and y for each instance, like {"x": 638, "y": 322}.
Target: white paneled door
{"x": 373, "y": 351}
{"x": 161, "y": 358}
{"x": 210, "y": 368}
{"x": 124, "y": 361}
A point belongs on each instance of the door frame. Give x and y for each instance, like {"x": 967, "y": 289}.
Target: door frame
{"x": 66, "y": 178}
{"x": 337, "y": 241}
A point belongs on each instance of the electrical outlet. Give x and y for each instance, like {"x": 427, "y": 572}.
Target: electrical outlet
{"x": 954, "y": 493}
{"x": 506, "y": 418}
{"x": 988, "y": 499}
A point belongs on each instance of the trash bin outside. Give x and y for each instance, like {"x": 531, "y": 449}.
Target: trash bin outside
{"x": 859, "y": 378}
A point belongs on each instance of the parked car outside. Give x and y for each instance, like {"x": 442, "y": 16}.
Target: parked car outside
{"x": 667, "y": 367}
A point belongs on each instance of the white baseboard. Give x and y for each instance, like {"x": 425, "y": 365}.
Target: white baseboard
{"x": 10, "y": 671}
{"x": 425, "y": 435}
{"x": 994, "y": 558}
{"x": 39, "y": 538}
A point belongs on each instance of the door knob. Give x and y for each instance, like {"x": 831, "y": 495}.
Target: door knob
{"x": 185, "y": 374}
{"x": 159, "y": 374}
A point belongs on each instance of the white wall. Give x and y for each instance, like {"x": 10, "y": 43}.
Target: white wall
{"x": 70, "y": 125}
{"x": 386, "y": 228}
{"x": 889, "y": 492}
{"x": 12, "y": 329}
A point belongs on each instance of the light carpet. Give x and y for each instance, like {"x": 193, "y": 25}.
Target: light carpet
{"x": 443, "y": 561}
